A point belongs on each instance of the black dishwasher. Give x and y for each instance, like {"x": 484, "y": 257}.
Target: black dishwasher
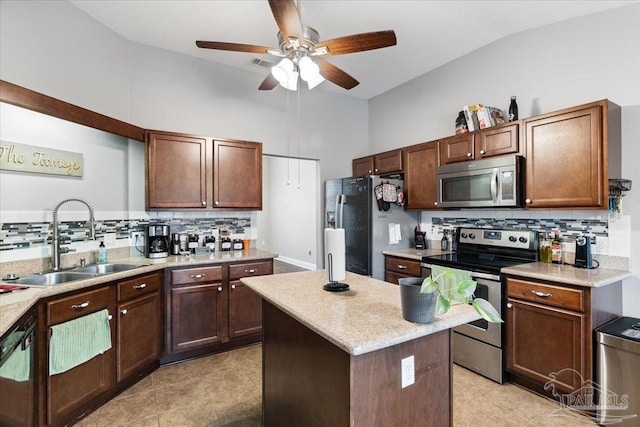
{"x": 17, "y": 384}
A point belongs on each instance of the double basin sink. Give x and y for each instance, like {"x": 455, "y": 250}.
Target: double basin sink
{"x": 78, "y": 273}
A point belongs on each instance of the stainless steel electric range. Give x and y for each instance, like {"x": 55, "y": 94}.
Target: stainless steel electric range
{"x": 479, "y": 345}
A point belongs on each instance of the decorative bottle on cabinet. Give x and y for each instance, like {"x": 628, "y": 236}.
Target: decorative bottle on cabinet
{"x": 513, "y": 110}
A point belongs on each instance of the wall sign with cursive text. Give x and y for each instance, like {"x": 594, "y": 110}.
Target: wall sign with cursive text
{"x": 29, "y": 158}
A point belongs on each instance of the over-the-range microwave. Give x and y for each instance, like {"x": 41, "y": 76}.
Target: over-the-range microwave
{"x": 485, "y": 183}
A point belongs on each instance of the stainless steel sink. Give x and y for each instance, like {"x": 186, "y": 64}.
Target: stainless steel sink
{"x": 79, "y": 273}
{"x": 106, "y": 268}
{"x": 53, "y": 278}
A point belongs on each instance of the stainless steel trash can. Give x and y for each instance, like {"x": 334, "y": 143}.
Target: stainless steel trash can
{"x": 618, "y": 372}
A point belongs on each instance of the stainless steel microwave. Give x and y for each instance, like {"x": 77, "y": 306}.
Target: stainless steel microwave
{"x": 486, "y": 183}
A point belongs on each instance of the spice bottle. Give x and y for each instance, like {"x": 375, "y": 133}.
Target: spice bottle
{"x": 545, "y": 248}
{"x": 513, "y": 110}
{"x": 556, "y": 249}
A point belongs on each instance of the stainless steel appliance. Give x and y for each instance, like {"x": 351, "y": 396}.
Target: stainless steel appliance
{"x": 617, "y": 369}
{"x": 156, "y": 241}
{"x": 17, "y": 382}
{"x": 350, "y": 203}
{"x": 479, "y": 345}
{"x": 485, "y": 183}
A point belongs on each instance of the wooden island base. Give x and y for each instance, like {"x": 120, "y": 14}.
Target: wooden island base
{"x": 309, "y": 381}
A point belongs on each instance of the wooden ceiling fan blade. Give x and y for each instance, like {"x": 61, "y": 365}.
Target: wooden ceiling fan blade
{"x": 235, "y": 47}
{"x": 268, "y": 83}
{"x": 357, "y": 43}
{"x": 288, "y": 19}
{"x": 336, "y": 75}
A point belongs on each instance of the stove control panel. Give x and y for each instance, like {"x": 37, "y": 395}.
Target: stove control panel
{"x": 518, "y": 239}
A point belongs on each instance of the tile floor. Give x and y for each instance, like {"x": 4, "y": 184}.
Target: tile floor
{"x": 225, "y": 390}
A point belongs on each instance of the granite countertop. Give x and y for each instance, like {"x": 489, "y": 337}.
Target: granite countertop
{"x": 365, "y": 318}
{"x": 413, "y": 253}
{"x": 568, "y": 274}
{"x": 15, "y": 304}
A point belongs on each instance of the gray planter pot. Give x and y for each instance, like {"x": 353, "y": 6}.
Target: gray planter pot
{"x": 416, "y": 307}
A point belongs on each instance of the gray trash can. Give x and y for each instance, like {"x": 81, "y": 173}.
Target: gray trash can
{"x": 618, "y": 372}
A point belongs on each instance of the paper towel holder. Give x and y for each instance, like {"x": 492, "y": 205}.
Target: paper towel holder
{"x": 333, "y": 285}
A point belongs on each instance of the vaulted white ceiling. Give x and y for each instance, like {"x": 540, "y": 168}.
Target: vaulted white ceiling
{"x": 429, "y": 33}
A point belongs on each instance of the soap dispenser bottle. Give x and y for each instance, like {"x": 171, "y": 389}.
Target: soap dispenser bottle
{"x": 102, "y": 253}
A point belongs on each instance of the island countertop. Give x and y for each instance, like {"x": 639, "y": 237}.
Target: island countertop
{"x": 365, "y": 318}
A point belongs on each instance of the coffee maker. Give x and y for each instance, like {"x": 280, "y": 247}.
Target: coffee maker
{"x": 420, "y": 240}
{"x": 156, "y": 241}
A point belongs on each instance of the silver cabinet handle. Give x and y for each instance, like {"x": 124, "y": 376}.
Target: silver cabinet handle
{"x": 216, "y": 203}
{"x": 253, "y": 270}
{"x": 402, "y": 267}
{"x": 123, "y": 311}
{"x": 377, "y": 169}
{"x": 80, "y": 306}
{"x": 219, "y": 288}
{"x": 482, "y": 152}
{"x": 469, "y": 154}
{"x": 527, "y": 201}
{"x": 197, "y": 276}
{"x": 541, "y": 294}
{"x": 233, "y": 286}
{"x": 109, "y": 317}
{"x": 435, "y": 203}
{"x": 140, "y": 286}
{"x": 204, "y": 203}
{"x": 509, "y": 305}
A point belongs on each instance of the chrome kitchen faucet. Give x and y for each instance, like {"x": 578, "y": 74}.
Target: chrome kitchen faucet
{"x": 56, "y": 250}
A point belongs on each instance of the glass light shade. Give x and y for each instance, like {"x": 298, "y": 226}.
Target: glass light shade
{"x": 282, "y": 71}
{"x": 315, "y": 81}
{"x": 292, "y": 82}
{"x": 308, "y": 68}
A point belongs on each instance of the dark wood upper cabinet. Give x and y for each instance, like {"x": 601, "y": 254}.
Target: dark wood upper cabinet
{"x": 176, "y": 171}
{"x": 420, "y": 167}
{"x": 237, "y": 181}
{"x": 489, "y": 142}
{"x": 197, "y": 172}
{"x": 386, "y": 163}
{"x": 568, "y": 154}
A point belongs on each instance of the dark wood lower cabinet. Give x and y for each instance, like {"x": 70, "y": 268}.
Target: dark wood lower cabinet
{"x": 549, "y": 332}
{"x": 245, "y": 311}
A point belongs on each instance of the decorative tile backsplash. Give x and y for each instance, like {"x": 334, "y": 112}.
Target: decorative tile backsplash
{"x": 569, "y": 228}
{"x": 34, "y": 234}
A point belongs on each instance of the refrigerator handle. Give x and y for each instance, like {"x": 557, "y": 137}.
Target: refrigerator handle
{"x": 340, "y": 200}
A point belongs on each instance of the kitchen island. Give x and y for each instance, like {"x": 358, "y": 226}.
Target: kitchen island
{"x": 336, "y": 358}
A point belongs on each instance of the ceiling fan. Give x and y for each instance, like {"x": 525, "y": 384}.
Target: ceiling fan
{"x": 299, "y": 43}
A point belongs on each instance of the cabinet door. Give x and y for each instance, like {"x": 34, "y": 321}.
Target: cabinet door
{"x": 198, "y": 316}
{"x": 237, "y": 181}
{"x": 71, "y": 392}
{"x": 176, "y": 171}
{"x": 139, "y": 335}
{"x": 362, "y": 166}
{"x": 245, "y": 310}
{"x": 420, "y": 167}
{"x": 545, "y": 343}
{"x": 496, "y": 141}
{"x": 565, "y": 159}
{"x": 457, "y": 148}
{"x": 388, "y": 162}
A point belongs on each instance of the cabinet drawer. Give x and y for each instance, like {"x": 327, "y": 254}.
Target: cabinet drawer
{"x": 77, "y": 305}
{"x": 137, "y": 286}
{"x": 196, "y": 275}
{"x": 236, "y": 271}
{"x": 556, "y": 296}
{"x": 407, "y": 267}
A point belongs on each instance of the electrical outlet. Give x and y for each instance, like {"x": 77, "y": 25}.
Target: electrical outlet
{"x": 408, "y": 371}
{"x": 137, "y": 237}
{"x": 602, "y": 244}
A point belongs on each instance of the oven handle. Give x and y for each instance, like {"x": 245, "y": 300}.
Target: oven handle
{"x": 474, "y": 274}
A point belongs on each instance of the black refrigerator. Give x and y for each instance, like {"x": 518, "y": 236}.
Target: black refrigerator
{"x": 352, "y": 204}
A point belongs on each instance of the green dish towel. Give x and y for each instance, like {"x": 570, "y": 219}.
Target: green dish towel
{"x": 79, "y": 340}
{"x": 18, "y": 366}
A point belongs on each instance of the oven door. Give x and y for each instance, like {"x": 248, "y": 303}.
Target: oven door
{"x": 488, "y": 287}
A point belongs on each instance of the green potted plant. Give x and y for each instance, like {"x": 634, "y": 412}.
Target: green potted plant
{"x": 453, "y": 286}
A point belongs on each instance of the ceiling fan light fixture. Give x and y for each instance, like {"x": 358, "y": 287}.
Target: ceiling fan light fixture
{"x": 291, "y": 83}
{"x": 282, "y": 71}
